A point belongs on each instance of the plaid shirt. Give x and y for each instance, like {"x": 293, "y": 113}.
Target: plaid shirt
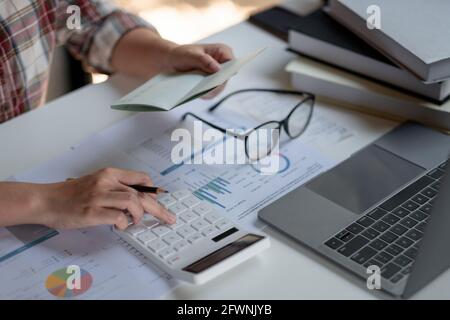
{"x": 31, "y": 29}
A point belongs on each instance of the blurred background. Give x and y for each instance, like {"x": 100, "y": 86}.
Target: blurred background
{"x": 179, "y": 21}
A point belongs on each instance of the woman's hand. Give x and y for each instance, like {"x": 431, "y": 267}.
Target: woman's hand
{"x": 204, "y": 57}
{"x": 103, "y": 197}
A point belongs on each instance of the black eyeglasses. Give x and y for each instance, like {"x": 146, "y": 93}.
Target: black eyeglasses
{"x": 262, "y": 139}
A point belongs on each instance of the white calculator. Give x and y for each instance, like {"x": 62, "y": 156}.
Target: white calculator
{"x": 201, "y": 245}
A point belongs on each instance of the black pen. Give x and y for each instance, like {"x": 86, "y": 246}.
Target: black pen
{"x": 145, "y": 189}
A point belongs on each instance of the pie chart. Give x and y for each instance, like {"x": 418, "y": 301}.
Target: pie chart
{"x": 56, "y": 283}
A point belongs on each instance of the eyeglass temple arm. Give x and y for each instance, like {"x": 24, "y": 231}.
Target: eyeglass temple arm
{"x": 212, "y": 125}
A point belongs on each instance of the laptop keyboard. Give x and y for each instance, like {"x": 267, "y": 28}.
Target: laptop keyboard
{"x": 389, "y": 235}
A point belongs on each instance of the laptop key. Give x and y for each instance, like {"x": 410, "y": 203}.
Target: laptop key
{"x": 429, "y": 192}
{"x": 388, "y": 237}
{"x": 444, "y": 165}
{"x": 376, "y": 214}
{"x": 426, "y": 208}
{"x": 344, "y": 236}
{"x": 437, "y": 185}
{"x": 401, "y": 212}
{"x": 406, "y": 193}
{"x": 411, "y": 253}
{"x": 384, "y": 257}
{"x": 370, "y": 233}
{"x": 398, "y": 229}
{"x": 406, "y": 271}
{"x": 394, "y": 250}
{"x": 420, "y": 199}
{"x": 414, "y": 234}
{"x": 380, "y": 226}
{"x": 373, "y": 263}
{"x": 436, "y": 173}
{"x": 418, "y": 215}
{"x": 352, "y": 246}
{"x": 334, "y": 243}
{"x": 410, "y": 205}
{"x": 421, "y": 226}
{"x": 402, "y": 261}
{"x": 389, "y": 270}
{"x": 364, "y": 255}
{"x": 408, "y": 222}
{"x": 378, "y": 244}
{"x": 390, "y": 219}
{"x": 404, "y": 242}
{"x": 355, "y": 228}
{"x": 366, "y": 221}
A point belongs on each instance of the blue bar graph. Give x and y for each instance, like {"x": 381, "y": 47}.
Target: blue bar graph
{"x": 214, "y": 188}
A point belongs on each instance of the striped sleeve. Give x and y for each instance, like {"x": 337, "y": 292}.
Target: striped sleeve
{"x": 102, "y": 26}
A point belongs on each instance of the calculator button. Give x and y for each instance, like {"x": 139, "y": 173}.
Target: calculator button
{"x": 177, "y": 208}
{"x": 185, "y": 231}
{"x": 160, "y": 230}
{"x": 202, "y": 208}
{"x": 212, "y": 217}
{"x": 181, "y": 194}
{"x": 188, "y": 216}
{"x": 134, "y": 230}
{"x": 171, "y": 238}
{"x": 149, "y": 221}
{"x": 146, "y": 237}
{"x": 176, "y": 225}
{"x": 191, "y": 201}
{"x": 196, "y": 237}
{"x": 208, "y": 231}
{"x": 165, "y": 253}
{"x": 180, "y": 245}
{"x": 173, "y": 259}
{"x": 166, "y": 201}
{"x": 199, "y": 224}
{"x": 223, "y": 224}
{"x": 156, "y": 245}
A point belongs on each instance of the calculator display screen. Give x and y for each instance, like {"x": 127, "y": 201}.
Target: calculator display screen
{"x": 223, "y": 253}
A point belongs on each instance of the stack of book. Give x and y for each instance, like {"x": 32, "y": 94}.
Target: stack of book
{"x": 401, "y": 69}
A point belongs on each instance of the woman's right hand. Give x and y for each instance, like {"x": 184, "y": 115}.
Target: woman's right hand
{"x": 103, "y": 197}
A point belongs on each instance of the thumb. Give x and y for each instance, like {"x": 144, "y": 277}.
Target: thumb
{"x": 207, "y": 63}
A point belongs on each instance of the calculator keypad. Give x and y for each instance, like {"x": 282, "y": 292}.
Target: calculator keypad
{"x": 196, "y": 220}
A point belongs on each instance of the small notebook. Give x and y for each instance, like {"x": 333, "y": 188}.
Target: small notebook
{"x": 168, "y": 91}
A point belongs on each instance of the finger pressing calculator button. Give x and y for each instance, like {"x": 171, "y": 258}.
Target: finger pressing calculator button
{"x": 146, "y": 237}
{"x": 199, "y": 224}
{"x": 134, "y": 230}
{"x": 160, "y": 230}
{"x": 180, "y": 245}
{"x": 191, "y": 201}
{"x": 181, "y": 194}
{"x": 165, "y": 253}
{"x": 157, "y": 245}
{"x": 149, "y": 221}
{"x": 177, "y": 208}
{"x": 166, "y": 200}
{"x": 171, "y": 238}
{"x": 196, "y": 237}
{"x": 202, "y": 208}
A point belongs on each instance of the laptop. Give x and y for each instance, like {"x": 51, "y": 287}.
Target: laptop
{"x": 385, "y": 208}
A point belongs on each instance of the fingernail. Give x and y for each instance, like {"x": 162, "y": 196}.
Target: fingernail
{"x": 172, "y": 218}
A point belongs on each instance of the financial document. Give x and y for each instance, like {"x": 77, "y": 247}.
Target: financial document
{"x": 30, "y": 254}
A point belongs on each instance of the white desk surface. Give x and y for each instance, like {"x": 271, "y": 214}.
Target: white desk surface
{"x": 287, "y": 270}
